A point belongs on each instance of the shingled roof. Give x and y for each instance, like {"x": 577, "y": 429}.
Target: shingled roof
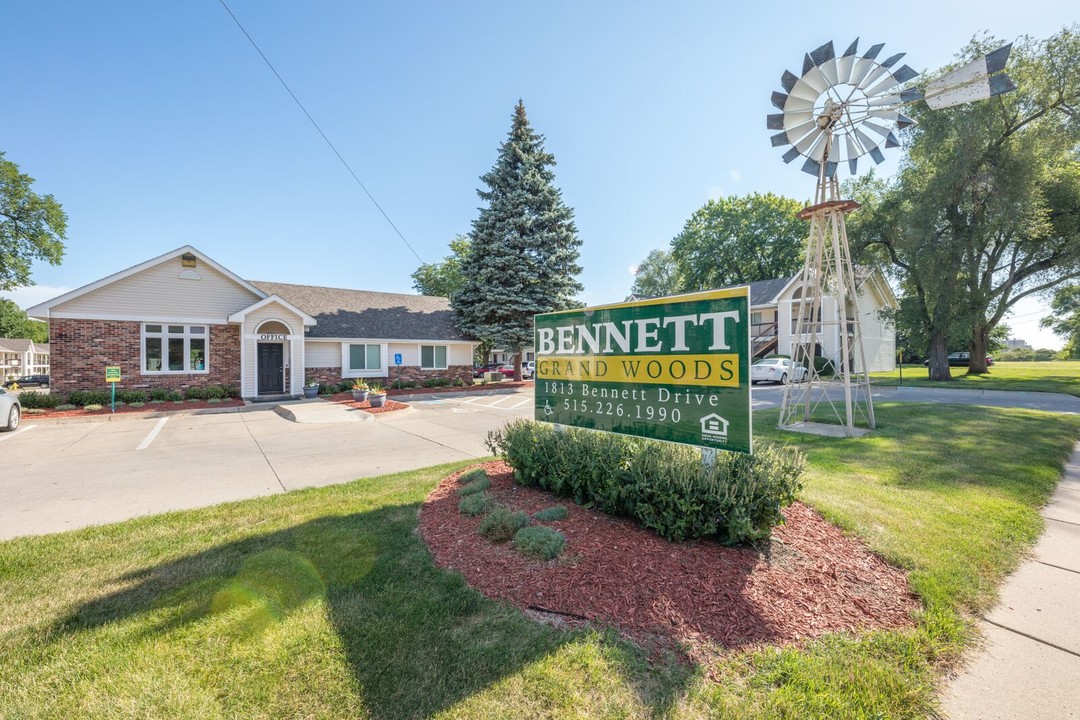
{"x": 342, "y": 313}
{"x": 14, "y": 345}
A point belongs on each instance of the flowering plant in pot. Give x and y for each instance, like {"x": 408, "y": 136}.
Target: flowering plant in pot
{"x": 377, "y": 396}
{"x": 360, "y": 390}
{"x": 311, "y": 387}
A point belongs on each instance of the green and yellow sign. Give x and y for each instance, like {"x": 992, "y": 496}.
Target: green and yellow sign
{"x": 112, "y": 373}
{"x": 675, "y": 368}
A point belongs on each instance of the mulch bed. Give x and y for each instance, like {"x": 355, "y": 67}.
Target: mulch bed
{"x": 346, "y": 399}
{"x": 808, "y": 580}
{"x": 503, "y": 385}
{"x": 166, "y": 406}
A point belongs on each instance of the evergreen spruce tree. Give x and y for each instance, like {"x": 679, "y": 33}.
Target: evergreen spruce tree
{"x": 524, "y": 257}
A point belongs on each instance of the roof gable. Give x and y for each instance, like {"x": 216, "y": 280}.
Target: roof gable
{"x": 42, "y": 309}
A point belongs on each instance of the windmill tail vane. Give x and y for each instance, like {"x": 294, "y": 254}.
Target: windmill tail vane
{"x": 846, "y": 106}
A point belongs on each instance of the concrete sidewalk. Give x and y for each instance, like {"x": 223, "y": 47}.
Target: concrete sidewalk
{"x": 1030, "y": 665}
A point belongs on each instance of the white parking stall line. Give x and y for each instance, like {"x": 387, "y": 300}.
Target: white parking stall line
{"x": 503, "y": 399}
{"x": 20, "y": 431}
{"x": 152, "y": 434}
{"x": 523, "y": 403}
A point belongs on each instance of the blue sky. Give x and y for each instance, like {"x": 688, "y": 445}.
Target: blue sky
{"x": 158, "y": 125}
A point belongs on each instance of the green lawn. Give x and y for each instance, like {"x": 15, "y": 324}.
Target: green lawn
{"x": 1061, "y": 376}
{"x": 324, "y": 603}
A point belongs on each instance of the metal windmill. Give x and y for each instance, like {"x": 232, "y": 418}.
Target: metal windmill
{"x": 842, "y": 108}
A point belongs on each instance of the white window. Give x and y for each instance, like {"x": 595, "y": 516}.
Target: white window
{"x": 175, "y": 348}
{"x": 433, "y": 357}
{"x": 365, "y": 357}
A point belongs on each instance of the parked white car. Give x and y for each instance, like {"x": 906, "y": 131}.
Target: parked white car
{"x": 10, "y": 411}
{"x": 777, "y": 370}
{"x": 528, "y": 369}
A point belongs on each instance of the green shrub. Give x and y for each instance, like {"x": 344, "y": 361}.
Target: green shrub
{"x": 823, "y": 366}
{"x": 662, "y": 485}
{"x": 93, "y": 406}
{"x": 555, "y": 512}
{"x": 159, "y": 395}
{"x": 214, "y": 401}
{"x": 479, "y": 485}
{"x": 473, "y": 475}
{"x": 230, "y": 391}
{"x": 89, "y": 397}
{"x": 118, "y": 403}
{"x": 131, "y": 396}
{"x": 540, "y": 542}
{"x": 475, "y": 504}
{"x": 458, "y": 382}
{"x": 436, "y": 382}
{"x": 501, "y": 523}
{"x": 33, "y": 400}
{"x": 402, "y": 384}
{"x": 65, "y": 406}
{"x": 193, "y": 393}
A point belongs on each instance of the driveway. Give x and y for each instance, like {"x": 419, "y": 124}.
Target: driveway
{"x": 64, "y": 475}
{"x": 60, "y": 476}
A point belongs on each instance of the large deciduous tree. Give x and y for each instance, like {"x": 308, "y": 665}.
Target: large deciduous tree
{"x": 32, "y": 226}
{"x": 15, "y": 324}
{"x": 986, "y": 208}
{"x": 443, "y": 278}
{"x": 657, "y": 276}
{"x": 1066, "y": 318}
{"x": 739, "y": 240}
{"x": 524, "y": 256}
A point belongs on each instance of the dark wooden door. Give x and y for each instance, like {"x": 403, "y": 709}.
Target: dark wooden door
{"x": 271, "y": 358}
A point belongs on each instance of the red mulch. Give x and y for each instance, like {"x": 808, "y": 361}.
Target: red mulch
{"x": 388, "y": 404}
{"x": 809, "y": 580}
{"x": 166, "y": 406}
{"x": 505, "y": 384}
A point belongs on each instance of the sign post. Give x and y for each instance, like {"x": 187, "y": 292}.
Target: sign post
{"x": 674, "y": 369}
{"x": 112, "y": 376}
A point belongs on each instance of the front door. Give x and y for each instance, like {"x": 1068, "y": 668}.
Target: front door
{"x": 271, "y": 358}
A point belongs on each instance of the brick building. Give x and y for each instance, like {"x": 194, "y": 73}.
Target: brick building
{"x": 182, "y": 320}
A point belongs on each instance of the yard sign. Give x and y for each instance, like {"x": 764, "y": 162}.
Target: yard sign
{"x": 674, "y": 368}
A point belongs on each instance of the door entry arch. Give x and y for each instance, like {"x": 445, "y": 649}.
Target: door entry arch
{"x": 271, "y": 340}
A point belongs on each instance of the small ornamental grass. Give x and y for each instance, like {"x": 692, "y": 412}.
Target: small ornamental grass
{"x": 663, "y": 486}
{"x": 555, "y": 512}
{"x": 501, "y": 523}
{"x": 92, "y": 406}
{"x": 539, "y": 541}
{"x": 65, "y": 406}
{"x": 473, "y": 482}
{"x": 475, "y": 504}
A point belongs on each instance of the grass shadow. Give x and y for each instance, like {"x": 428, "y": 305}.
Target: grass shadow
{"x": 416, "y": 640}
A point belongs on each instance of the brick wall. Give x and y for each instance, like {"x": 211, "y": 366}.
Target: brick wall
{"x": 408, "y": 374}
{"x": 81, "y": 349}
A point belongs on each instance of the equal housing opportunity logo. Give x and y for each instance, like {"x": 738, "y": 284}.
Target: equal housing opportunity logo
{"x": 714, "y": 429}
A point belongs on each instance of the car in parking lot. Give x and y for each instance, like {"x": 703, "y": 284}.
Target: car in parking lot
{"x": 10, "y": 411}
{"x": 41, "y": 381}
{"x": 528, "y": 369}
{"x": 777, "y": 370}
{"x": 961, "y": 359}
{"x": 479, "y": 370}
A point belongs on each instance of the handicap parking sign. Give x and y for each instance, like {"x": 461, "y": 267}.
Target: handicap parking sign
{"x": 397, "y": 358}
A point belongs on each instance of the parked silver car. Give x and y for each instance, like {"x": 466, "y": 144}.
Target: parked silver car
{"x": 10, "y": 411}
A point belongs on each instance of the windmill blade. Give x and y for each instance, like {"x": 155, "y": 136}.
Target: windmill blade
{"x": 774, "y": 121}
{"x": 788, "y": 80}
{"x": 897, "y": 78}
{"x": 846, "y": 62}
{"x": 888, "y": 114}
{"x": 975, "y": 81}
{"x": 807, "y": 142}
{"x": 859, "y": 69}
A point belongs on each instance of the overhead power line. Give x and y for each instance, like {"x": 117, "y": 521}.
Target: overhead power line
{"x": 317, "y": 128}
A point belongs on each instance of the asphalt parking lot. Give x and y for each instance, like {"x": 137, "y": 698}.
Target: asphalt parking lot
{"x": 63, "y": 475}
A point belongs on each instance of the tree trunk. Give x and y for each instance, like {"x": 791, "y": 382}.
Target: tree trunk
{"x": 517, "y": 364}
{"x": 980, "y": 340}
{"x": 939, "y": 357}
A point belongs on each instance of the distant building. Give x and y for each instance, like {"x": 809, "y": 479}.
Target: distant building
{"x": 1017, "y": 344}
{"x": 19, "y": 357}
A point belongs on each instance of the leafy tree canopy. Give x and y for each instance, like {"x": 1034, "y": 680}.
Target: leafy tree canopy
{"x": 986, "y": 208}
{"x": 1066, "y": 318}
{"x": 443, "y": 278}
{"x": 32, "y": 227}
{"x": 657, "y": 276}
{"x": 15, "y": 324}
{"x": 524, "y": 256}
{"x": 740, "y": 240}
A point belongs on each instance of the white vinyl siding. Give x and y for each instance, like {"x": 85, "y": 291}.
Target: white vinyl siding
{"x": 410, "y": 354}
{"x": 294, "y": 349}
{"x": 160, "y": 292}
{"x": 460, "y": 355}
{"x": 322, "y": 355}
